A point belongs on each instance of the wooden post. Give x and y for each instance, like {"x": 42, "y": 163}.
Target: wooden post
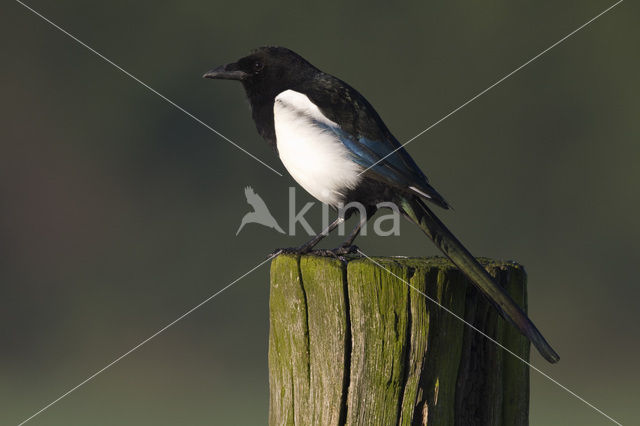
{"x": 350, "y": 344}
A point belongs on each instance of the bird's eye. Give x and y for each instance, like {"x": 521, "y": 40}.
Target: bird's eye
{"x": 257, "y": 66}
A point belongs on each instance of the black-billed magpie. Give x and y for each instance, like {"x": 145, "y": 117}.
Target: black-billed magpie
{"x": 336, "y": 146}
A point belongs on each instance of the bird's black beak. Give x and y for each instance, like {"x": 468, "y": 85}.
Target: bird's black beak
{"x": 227, "y": 72}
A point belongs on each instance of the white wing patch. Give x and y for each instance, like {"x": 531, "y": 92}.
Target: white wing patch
{"x": 312, "y": 153}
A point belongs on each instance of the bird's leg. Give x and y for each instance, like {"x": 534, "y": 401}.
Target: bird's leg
{"x": 347, "y": 246}
{"x": 306, "y": 247}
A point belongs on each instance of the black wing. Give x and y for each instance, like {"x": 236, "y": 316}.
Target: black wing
{"x": 366, "y": 136}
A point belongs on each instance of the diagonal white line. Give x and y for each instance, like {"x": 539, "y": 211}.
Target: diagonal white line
{"x": 494, "y": 84}
{"x": 151, "y": 89}
{"x": 136, "y": 347}
{"x": 474, "y": 328}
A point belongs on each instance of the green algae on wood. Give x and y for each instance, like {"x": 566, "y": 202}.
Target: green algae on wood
{"x": 379, "y": 320}
{"x": 351, "y": 343}
{"x": 324, "y": 286}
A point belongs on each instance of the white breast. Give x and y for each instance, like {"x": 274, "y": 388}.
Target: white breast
{"x": 312, "y": 153}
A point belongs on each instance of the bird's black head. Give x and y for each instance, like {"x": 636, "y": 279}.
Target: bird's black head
{"x": 267, "y": 71}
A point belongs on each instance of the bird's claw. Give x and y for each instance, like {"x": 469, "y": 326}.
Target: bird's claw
{"x": 326, "y": 253}
{"x": 290, "y": 250}
{"x": 346, "y": 250}
{"x": 337, "y": 252}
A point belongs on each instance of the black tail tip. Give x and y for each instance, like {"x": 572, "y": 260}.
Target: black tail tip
{"x": 552, "y": 358}
{"x": 547, "y": 352}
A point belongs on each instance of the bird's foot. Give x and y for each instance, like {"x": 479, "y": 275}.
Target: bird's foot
{"x": 326, "y": 253}
{"x": 338, "y": 252}
{"x": 290, "y": 250}
{"x": 346, "y": 250}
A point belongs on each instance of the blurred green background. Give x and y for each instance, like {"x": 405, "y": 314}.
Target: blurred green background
{"x": 118, "y": 212}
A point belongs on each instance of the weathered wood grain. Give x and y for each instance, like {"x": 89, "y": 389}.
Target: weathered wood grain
{"x": 353, "y": 344}
{"x": 325, "y": 287}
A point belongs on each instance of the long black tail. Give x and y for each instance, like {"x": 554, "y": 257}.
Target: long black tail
{"x": 418, "y": 212}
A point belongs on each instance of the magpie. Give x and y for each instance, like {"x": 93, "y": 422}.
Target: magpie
{"x": 336, "y": 146}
